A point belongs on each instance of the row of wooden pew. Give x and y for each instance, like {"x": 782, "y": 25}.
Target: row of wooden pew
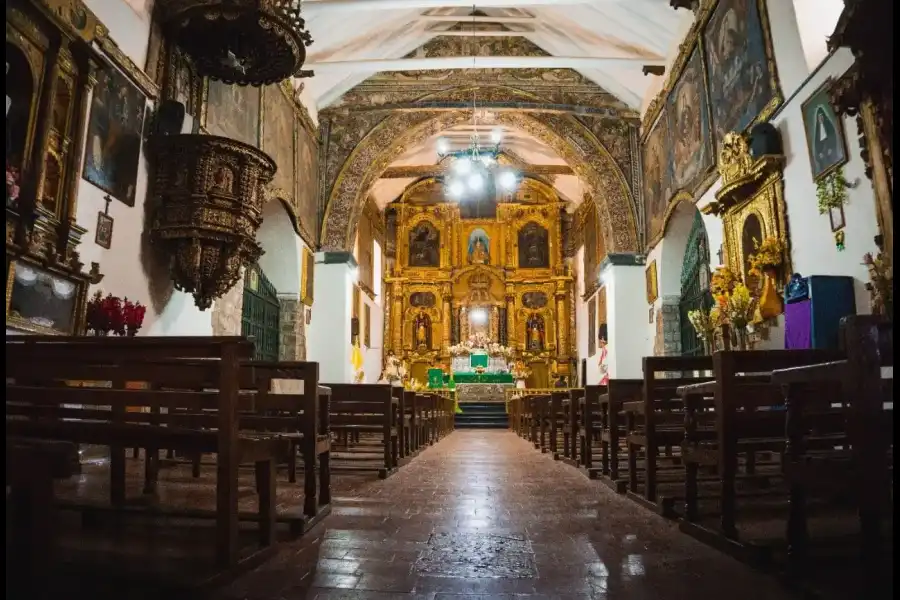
{"x": 759, "y": 453}
{"x": 200, "y": 402}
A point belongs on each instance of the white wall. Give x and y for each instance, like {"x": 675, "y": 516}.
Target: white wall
{"x": 581, "y": 323}
{"x": 282, "y": 249}
{"x": 816, "y": 20}
{"x": 627, "y": 317}
{"x": 328, "y": 335}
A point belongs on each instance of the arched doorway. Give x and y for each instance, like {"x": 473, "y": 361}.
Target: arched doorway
{"x": 695, "y": 276}
{"x": 261, "y": 314}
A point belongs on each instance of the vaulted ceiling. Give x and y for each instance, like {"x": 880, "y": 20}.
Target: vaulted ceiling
{"x": 607, "y": 41}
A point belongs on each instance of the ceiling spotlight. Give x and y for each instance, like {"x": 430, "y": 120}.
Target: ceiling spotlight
{"x": 456, "y": 189}
{"x": 496, "y": 135}
{"x": 462, "y": 166}
{"x": 443, "y": 146}
{"x": 507, "y": 180}
{"x": 476, "y": 182}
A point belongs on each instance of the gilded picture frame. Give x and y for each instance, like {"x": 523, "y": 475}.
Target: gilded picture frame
{"x": 823, "y": 130}
{"x": 652, "y": 284}
{"x": 307, "y": 277}
{"x": 592, "y": 327}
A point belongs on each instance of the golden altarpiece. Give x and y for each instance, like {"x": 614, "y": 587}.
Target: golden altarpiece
{"x": 50, "y": 70}
{"x": 491, "y": 267}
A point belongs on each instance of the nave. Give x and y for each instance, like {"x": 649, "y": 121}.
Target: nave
{"x": 482, "y": 515}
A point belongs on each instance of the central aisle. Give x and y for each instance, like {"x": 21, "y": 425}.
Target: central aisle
{"x": 484, "y": 515}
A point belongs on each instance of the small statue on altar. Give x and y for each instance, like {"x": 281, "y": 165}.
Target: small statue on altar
{"x": 421, "y": 329}
{"x": 535, "y": 334}
{"x": 604, "y": 354}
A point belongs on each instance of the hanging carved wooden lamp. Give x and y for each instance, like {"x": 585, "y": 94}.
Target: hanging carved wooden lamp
{"x": 244, "y": 42}
{"x": 208, "y": 195}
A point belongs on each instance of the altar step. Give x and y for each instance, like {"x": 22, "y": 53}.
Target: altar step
{"x": 482, "y": 415}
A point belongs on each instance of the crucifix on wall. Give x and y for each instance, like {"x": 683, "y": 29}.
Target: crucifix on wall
{"x": 721, "y": 254}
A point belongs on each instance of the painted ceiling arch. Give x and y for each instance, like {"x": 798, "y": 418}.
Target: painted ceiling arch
{"x": 369, "y": 140}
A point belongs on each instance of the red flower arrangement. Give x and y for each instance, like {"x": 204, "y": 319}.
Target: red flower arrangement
{"x": 114, "y": 315}
{"x": 12, "y": 185}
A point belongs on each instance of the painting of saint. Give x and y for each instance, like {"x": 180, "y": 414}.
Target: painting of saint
{"x": 689, "y": 123}
{"x": 424, "y": 245}
{"x": 278, "y": 139}
{"x": 824, "y": 133}
{"x": 657, "y": 186}
{"x": 115, "y": 130}
{"x": 741, "y": 82}
{"x": 534, "y": 250}
{"x": 592, "y": 327}
{"x": 307, "y": 171}
{"x": 479, "y": 252}
{"x": 232, "y": 111}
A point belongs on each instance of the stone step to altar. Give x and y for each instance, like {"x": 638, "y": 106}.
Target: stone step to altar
{"x": 482, "y": 415}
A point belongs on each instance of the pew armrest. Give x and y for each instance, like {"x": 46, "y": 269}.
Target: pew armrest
{"x": 821, "y": 373}
{"x": 706, "y": 388}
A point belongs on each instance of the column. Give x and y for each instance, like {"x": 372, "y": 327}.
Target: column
{"x": 44, "y": 124}
{"x": 562, "y": 323}
{"x": 329, "y": 331}
{"x": 510, "y": 318}
{"x": 495, "y": 323}
{"x": 447, "y": 317}
{"x": 629, "y": 337}
{"x": 397, "y": 318}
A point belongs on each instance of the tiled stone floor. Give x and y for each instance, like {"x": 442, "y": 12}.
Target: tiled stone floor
{"x": 483, "y": 515}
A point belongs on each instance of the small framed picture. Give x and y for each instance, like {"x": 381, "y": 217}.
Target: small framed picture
{"x": 836, "y": 216}
{"x": 824, "y": 133}
{"x": 651, "y": 315}
{"x": 103, "y": 235}
{"x": 308, "y": 316}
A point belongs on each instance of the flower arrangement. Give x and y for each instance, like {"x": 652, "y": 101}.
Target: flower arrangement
{"x": 704, "y": 323}
{"x": 459, "y": 350}
{"x": 723, "y": 281}
{"x": 739, "y": 307}
{"x": 394, "y": 370}
{"x": 519, "y": 371}
{"x": 479, "y": 341}
{"x": 881, "y": 284}
{"x": 495, "y": 349}
{"x": 769, "y": 255}
{"x": 831, "y": 191}
{"x": 12, "y": 185}
{"x": 114, "y": 315}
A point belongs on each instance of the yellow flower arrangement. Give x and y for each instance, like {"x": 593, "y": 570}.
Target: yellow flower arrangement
{"x": 740, "y": 306}
{"x": 768, "y": 255}
{"x": 703, "y": 323}
{"x": 723, "y": 281}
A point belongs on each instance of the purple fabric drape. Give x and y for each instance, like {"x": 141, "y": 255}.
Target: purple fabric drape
{"x": 797, "y": 326}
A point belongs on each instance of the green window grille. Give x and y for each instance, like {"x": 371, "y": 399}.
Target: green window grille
{"x": 261, "y": 316}
{"x": 695, "y": 292}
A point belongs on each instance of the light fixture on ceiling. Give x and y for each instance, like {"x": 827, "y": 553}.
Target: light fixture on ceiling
{"x": 474, "y": 167}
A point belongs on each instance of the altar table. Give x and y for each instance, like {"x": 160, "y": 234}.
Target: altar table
{"x": 481, "y": 392}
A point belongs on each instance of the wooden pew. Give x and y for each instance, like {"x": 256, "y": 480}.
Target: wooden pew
{"x": 613, "y": 429}
{"x": 370, "y": 409}
{"x": 656, "y": 422}
{"x": 589, "y": 426}
{"x": 858, "y": 462}
{"x": 738, "y": 415}
{"x": 570, "y": 408}
{"x": 41, "y": 405}
{"x": 558, "y": 417}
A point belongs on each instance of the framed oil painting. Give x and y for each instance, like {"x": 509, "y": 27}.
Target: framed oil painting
{"x": 232, "y": 111}
{"x": 592, "y": 327}
{"x": 279, "y": 138}
{"x": 651, "y": 283}
{"x": 115, "y": 129}
{"x": 307, "y": 277}
{"x": 824, "y": 133}
{"x": 424, "y": 245}
{"x": 657, "y": 180}
{"x": 688, "y": 113}
{"x": 307, "y": 180}
{"x": 591, "y": 243}
{"x": 743, "y": 83}
{"x": 367, "y": 326}
{"x": 836, "y": 216}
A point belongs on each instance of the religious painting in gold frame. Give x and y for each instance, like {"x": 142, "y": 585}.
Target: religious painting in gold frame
{"x": 307, "y": 277}
{"x": 278, "y": 138}
{"x": 652, "y": 284}
{"x": 592, "y": 326}
{"x": 367, "y": 325}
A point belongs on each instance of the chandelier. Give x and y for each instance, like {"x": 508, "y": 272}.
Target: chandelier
{"x": 474, "y": 169}
{"x": 243, "y": 42}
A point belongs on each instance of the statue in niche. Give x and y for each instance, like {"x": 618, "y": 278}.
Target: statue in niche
{"x": 422, "y": 328}
{"x": 535, "y": 333}
{"x": 751, "y": 236}
{"x": 479, "y": 247}
{"x": 534, "y": 251}
{"x": 424, "y": 245}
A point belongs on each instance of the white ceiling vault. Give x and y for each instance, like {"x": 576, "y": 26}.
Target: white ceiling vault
{"x": 607, "y": 41}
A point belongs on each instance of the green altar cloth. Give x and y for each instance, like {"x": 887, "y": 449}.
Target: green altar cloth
{"x": 435, "y": 378}
{"x": 478, "y": 360}
{"x": 483, "y": 378}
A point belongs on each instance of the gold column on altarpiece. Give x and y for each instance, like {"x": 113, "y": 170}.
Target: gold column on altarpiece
{"x": 446, "y": 316}
{"x": 510, "y": 316}
{"x": 562, "y": 322}
{"x": 396, "y": 317}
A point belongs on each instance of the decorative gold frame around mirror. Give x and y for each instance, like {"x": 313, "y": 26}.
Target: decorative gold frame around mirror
{"x": 750, "y": 186}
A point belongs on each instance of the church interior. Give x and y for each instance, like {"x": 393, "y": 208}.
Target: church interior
{"x": 446, "y": 299}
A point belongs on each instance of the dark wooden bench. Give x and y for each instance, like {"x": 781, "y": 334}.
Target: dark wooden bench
{"x": 371, "y": 410}
{"x": 589, "y": 426}
{"x": 613, "y": 431}
{"x": 41, "y": 405}
{"x": 858, "y": 464}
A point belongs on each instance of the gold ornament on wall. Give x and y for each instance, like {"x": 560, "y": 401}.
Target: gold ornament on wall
{"x": 208, "y": 192}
